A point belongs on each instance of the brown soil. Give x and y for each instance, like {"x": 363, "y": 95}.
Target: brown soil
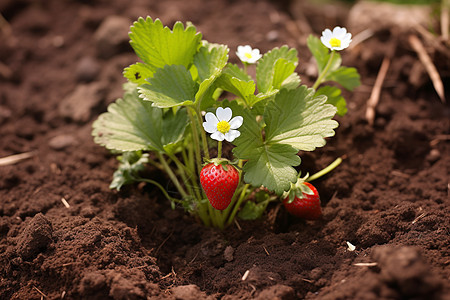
{"x": 389, "y": 198}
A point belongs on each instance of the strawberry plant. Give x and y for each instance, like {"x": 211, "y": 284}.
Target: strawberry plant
{"x": 173, "y": 112}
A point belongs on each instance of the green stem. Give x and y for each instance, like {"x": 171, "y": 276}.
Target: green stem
{"x": 182, "y": 170}
{"x": 330, "y": 167}
{"x": 238, "y": 204}
{"x": 219, "y": 149}
{"x": 198, "y": 157}
{"x": 202, "y": 133}
{"x": 160, "y": 187}
{"x": 324, "y": 72}
{"x": 173, "y": 177}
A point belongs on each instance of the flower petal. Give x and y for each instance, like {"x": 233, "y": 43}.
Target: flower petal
{"x": 211, "y": 118}
{"x": 218, "y": 136}
{"x": 209, "y": 127}
{"x": 224, "y": 114}
{"x": 327, "y": 34}
{"x": 325, "y": 41}
{"x": 339, "y": 32}
{"x": 231, "y": 135}
{"x": 236, "y": 122}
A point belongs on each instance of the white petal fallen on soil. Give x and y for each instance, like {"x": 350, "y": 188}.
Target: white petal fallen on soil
{"x": 372, "y": 264}
{"x": 12, "y": 159}
{"x": 64, "y": 201}
{"x": 245, "y": 275}
{"x": 350, "y": 247}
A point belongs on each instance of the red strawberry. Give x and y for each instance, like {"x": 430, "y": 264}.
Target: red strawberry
{"x": 305, "y": 203}
{"x": 219, "y": 183}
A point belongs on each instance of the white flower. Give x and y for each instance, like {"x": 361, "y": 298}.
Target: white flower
{"x": 248, "y": 55}
{"x": 221, "y": 126}
{"x": 337, "y": 40}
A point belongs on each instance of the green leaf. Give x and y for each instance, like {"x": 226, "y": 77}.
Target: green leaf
{"x": 132, "y": 124}
{"x": 131, "y": 163}
{"x": 267, "y": 165}
{"x": 333, "y": 97}
{"x": 209, "y": 62}
{"x": 250, "y": 130}
{"x": 173, "y": 128}
{"x": 282, "y": 70}
{"x": 292, "y": 82}
{"x": 322, "y": 54}
{"x": 271, "y": 166}
{"x": 158, "y": 46}
{"x": 169, "y": 87}
{"x": 252, "y": 210}
{"x": 129, "y": 125}
{"x": 138, "y": 73}
{"x": 274, "y": 67}
{"x": 237, "y": 72}
{"x": 299, "y": 119}
{"x": 347, "y": 77}
{"x": 243, "y": 89}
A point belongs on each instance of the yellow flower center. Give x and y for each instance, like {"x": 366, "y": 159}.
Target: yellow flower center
{"x": 334, "y": 42}
{"x": 248, "y": 55}
{"x": 223, "y": 126}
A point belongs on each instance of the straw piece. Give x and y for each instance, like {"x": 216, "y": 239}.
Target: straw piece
{"x": 12, "y": 159}
{"x": 376, "y": 91}
{"x": 417, "y": 45}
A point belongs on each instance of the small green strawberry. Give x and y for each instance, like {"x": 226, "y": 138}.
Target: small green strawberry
{"x": 219, "y": 181}
{"x": 303, "y": 201}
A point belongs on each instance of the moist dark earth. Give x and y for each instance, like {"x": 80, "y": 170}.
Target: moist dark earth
{"x": 65, "y": 235}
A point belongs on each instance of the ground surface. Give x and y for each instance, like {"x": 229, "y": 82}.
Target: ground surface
{"x": 389, "y": 198}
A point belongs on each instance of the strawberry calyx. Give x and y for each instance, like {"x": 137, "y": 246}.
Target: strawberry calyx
{"x": 219, "y": 161}
{"x": 298, "y": 190}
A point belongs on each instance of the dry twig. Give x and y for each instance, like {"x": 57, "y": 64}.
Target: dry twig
{"x": 376, "y": 91}
{"x": 371, "y": 264}
{"x": 12, "y": 159}
{"x": 445, "y": 6}
{"x": 417, "y": 45}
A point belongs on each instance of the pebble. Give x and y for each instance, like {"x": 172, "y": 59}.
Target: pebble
{"x": 112, "y": 36}
{"x": 189, "y": 292}
{"x": 87, "y": 69}
{"x": 272, "y": 35}
{"x": 78, "y": 105}
{"x": 61, "y": 142}
{"x": 433, "y": 156}
{"x": 228, "y": 254}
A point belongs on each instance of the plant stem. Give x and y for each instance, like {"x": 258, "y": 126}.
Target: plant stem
{"x": 238, "y": 204}
{"x": 324, "y": 72}
{"x": 160, "y": 187}
{"x": 173, "y": 177}
{"x": 202, "y": 133}
{"x": 198, "y": 157}
{"x": 330, "y": 167}
{"x": 219, "y": 149}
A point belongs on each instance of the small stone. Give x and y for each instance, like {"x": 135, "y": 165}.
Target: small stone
{"x": 278, "y": 291}
{"x": 112, "y": 36}
{"x": 189, "y": 292}
{"x": 78, "y": 105}
{"x": 228, "y": 254}
{"x": 87, "y": 69}
{"x": 36, "y": 236}
{"x": 433, "y": 156}
{"x": 61, "y": 142}
{"x": 272, "y": 35}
